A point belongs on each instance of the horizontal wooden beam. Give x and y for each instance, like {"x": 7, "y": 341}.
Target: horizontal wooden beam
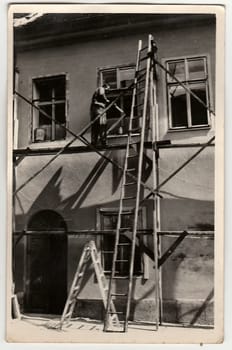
{"x": 85, "y": 149}
{"x": 107, "y": 232}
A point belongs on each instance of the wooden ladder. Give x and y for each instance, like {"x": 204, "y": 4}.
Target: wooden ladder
{"x": 89, "y": 253}
{"x": 130, "y": 195}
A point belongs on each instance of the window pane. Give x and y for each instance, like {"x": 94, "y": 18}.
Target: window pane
{"x": 196, "y": 68}
{"x": 48, "y": 91}
{"x": 113, "y": 113}
{"x": 109, "y": 77}
{"x": 107, "y": 249}
{"x": 60, "y": 112}
{"x": 177, "y": 69}
{"x": 110, "y": 222}
{"x": 126, "y": 77}
{"x": 127, "y": 101}
{"x": 45, "y": 90}
{"x": 198, "y": 111}
{"x": 59, "y": 87}
{"x": 50, "y": 87}
{"x": 178, "y": 106}
{"x": 126, "y": 106}
{"x": 43, "y": 120}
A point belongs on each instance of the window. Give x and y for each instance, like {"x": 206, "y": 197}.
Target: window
{"x": 184, "y": 110}
{"x": 49, "y": 94}
{"x": 119, "y": 79}
{"x": 108, "y": 221}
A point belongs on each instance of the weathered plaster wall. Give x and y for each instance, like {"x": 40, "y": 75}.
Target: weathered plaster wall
{"x": 81, "y": 60}
{"x": 76, "y": 185}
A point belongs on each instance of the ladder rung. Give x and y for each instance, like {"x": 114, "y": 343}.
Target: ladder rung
{"x": 132, "y": 156}
{"x": 130, "y": 183}
{"x": 124, "y": 244}
{"x": 137, "y": 117}
{"x": 134, "y": 142}
{"x": 140, "y": 84}
{"x": 115, "y": 312}
{"x": 138, "y": 105}
{"x": 135, "y": 129}
{"x": 144, "y": 58}
{"x": 76, "y": 288}
{"x": 125, "y": 228}
{"x": 122, "y": 260}
{"x": 140, "y": 80}
{"x": 141, "y": 70}
{"x": 130, "y": 169}
{"x": 128, "y": 212}
{"x": 144, "y": 48}
{"x": 120, "y": 277}
{"x": 140, "y": 91}
{"x": 129, "y": 197}
{"x": 71, "y": 301}
{"x": 119, "y": 294}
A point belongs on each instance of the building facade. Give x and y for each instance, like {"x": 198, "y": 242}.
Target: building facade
{"x": 60, "y": 59}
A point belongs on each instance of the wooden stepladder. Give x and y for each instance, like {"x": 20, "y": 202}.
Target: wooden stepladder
{"x": 89, "y": 253}
{"x": 130, "y": 195}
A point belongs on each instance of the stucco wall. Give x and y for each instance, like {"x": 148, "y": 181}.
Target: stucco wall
{"x": 81, "y": 60}
{"x": 76, "y": 185}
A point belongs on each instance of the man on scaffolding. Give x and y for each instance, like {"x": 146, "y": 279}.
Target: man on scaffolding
{"x": 98, "y": 105}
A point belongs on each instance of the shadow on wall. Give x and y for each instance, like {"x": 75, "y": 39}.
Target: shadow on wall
{"x": 119, "y": 158}
{"x": 177, "y": 214}
{"x": 50, "y": 198}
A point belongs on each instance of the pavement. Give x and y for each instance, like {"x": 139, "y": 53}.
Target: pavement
{"x": 80, "y": 330}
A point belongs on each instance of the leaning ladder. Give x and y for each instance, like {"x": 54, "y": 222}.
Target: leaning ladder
{"x": 130, "y": 194}
{"x": 89, "y": 252}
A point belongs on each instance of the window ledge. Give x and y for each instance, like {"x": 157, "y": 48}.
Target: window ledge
{"x": 54, "y": 144}
{"x": 207, "y": 127}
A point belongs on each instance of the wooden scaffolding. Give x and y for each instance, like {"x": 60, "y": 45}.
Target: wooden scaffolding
{"x": 148, "y": 91}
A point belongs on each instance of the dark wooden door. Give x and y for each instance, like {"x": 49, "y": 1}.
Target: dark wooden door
{"x": 47, "y": 273}
{"x": 46, "y": 280}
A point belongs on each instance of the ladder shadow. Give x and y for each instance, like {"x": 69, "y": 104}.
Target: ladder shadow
{"x": 50, "y": 195}
{"x": 78, "y": 198}
{"x": 117, "y": 173}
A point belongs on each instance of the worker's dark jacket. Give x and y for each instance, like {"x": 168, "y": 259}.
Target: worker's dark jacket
{"x": 98, "y": 105}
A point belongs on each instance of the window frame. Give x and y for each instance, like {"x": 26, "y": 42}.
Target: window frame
{"x": 144, "y": 257}
{"x": 118, "y": 89}
{"x": 189, "y": 83}
{"x": 35, "y": 112}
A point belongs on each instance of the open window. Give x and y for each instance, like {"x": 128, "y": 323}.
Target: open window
{"x": 119, "y": 79}
{"x": 184, "y": 110}
{"x": 108, "y": 221}
{"x": 49, "y": 94}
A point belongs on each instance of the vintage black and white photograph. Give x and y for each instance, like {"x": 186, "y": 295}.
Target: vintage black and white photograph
{"x": 115, "y": 224}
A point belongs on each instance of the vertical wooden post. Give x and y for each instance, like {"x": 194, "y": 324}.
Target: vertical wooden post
{"x": 14, "y": 300}
{"x": 15, "y": 110}
{"x": 156, "y": 212}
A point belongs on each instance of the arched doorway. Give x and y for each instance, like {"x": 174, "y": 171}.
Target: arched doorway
{"x": 46, "y": 281}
